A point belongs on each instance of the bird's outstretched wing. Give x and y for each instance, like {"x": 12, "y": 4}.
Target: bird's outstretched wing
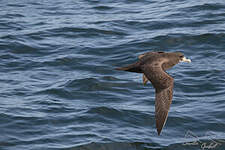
{"x": 163, "y": 84}
{"x": 162, "y": 105}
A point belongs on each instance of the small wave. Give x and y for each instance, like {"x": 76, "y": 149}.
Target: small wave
{"x": 83, "y": 32}
{"x": 8, "y": 56}
{"x": 96, "y": 84}
{"x": 119, "y": 146}
{"x": 11, "y": 16}
{"x": 16, "y": 5}
{"x": 56, "y": 92}
{"x": 123, "y": 116}
{"x": 205, "y": 6}
{"x": 103, "y": 8}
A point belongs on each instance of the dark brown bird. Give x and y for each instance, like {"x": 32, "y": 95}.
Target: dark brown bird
{"x": 153, "y": 65}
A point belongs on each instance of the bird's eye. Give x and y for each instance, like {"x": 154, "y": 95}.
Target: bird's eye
{"x": 181, "y": 56}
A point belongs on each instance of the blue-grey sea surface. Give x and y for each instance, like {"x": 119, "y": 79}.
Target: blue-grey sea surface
{"x": 60, "y": 90}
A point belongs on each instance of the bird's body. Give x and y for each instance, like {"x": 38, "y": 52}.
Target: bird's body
{"x": 153, "y": 66}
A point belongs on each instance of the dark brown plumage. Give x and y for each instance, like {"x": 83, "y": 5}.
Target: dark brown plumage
{"x": 153, "y": 66}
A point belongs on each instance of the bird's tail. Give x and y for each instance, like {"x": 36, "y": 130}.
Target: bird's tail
{"x": 131, "y": 68}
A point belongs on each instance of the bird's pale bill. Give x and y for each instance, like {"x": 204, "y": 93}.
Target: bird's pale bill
{"x": 184, "y": 59}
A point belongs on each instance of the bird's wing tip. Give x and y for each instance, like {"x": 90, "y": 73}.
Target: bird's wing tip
{"x": 159, "y": 131}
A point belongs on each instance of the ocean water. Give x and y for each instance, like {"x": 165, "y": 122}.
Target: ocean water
{"x": 60, "y": 90}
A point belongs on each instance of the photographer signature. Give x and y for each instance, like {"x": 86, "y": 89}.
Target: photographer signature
{"x": 204, "y": 145}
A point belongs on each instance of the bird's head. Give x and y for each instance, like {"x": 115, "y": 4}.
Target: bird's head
{"x": 173, "y": 59}
{"x": 181, "y": 58}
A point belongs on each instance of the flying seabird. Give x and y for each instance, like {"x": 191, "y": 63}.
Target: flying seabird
{"x": 153, "y": 65}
